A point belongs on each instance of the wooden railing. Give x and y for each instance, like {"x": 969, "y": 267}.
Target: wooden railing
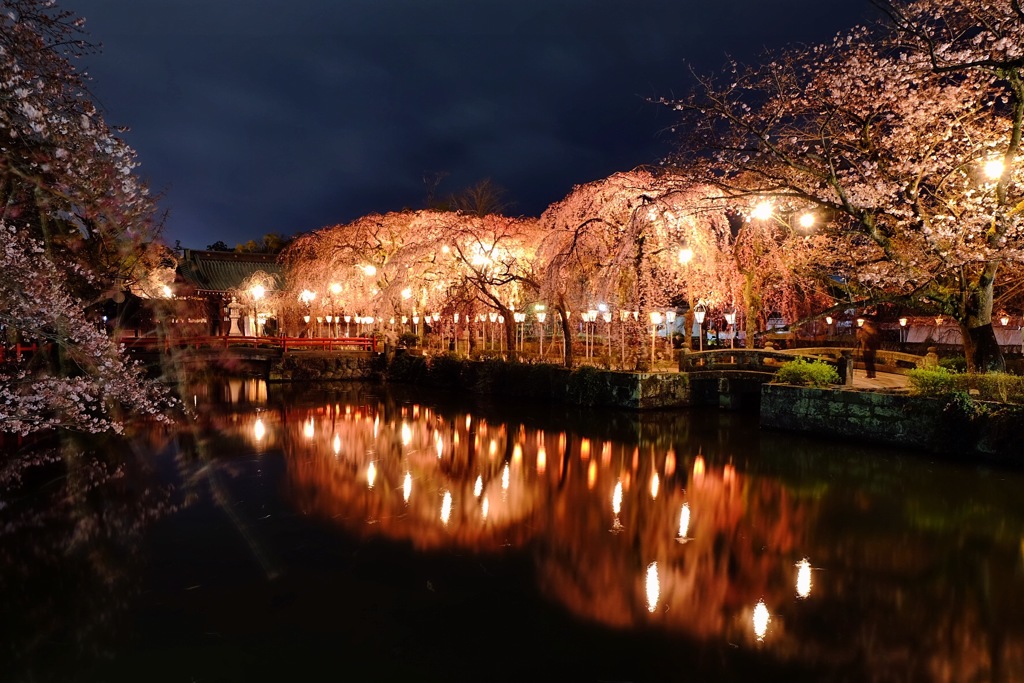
{"x": 768, "y": 360}
{"x": 886, "y": 361}
{"x": 16, "y": 351}
{"x": 749, "y": 360}
{"x": 286, "y": 344}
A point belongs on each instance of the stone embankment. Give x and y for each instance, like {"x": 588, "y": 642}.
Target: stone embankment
{"x": 964, "y": 427}
{"x": 955, "y": 426}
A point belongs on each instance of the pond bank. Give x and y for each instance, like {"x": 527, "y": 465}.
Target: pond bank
{"x": 941, "y": 426}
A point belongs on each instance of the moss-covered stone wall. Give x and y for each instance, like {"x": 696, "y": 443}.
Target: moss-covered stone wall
{"x": 958, "y": 425}
{"x": 312, "y": 366}
{"x": 585, "y": 386}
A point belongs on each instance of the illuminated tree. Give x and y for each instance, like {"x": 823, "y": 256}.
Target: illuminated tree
{"x": 617, "y": 241}
{"x": 75, "y": 224}
{"x": 890, "y": 148}
{"x": 65, "y": 177}
{"x": 417, "y": 263}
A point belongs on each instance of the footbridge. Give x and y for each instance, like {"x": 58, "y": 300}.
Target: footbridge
{"x": 736, "y": 375}
{"x": 247, "y": 355}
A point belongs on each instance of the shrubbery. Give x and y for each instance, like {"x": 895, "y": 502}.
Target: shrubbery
{"x": 990, "y": 386}
{"x": 807, "y": 373}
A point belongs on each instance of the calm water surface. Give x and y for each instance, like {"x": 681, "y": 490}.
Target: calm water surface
{"x": 359, "y": 533}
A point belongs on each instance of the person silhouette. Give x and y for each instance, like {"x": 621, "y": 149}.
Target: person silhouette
{"x": 869, "y": 340}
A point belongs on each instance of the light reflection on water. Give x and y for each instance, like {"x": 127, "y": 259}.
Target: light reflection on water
{"x": 887, "y": 538}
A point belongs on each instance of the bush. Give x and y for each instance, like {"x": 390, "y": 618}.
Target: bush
{"x": 953, "y": 363}
{"x": 807, "y": 373}
{"x": 939, "y": 382}
{"x": 933, "y": 382}
{"x": 408, "y": 340}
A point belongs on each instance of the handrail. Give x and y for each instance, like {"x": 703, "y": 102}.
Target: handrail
{"x": 758, "y": 359}
{"x": 286, "y": 344}
{"x": 18, "y": 350}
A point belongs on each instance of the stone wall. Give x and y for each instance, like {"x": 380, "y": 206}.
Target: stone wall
{"x": 955, "y": 426}
{"x": 305, "y": 366}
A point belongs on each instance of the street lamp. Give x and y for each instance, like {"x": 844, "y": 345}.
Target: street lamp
{"x": 730, "y": 320}
{"x": 588, "y": 331}
{"x": 670, "y": 321}
{"x": 698, "y": 314}
{"x": 903, "y": 330}
{"x": 1005, "y": 320}
{"x": 541, "y": 315}
{"x": 994, "y": 168}
{"x": 623, "y": 317}
{"x": 607, "y": 316}
{"x": 257, "y": 292}
{"x": 655, "y": 321}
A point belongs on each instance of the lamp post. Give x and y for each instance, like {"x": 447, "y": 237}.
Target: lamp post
{"x": 607, "y": 315}
{"x": 698, "y": 314}
{"x": 655, "y": 321}
{"x": 257, "y": 292}
{"x": 670, "y": 322}
{"x": 541, "y": 315}
{"x": 623, "y": 317}
{"x": 306, "y": 296}
{"x": 730, "y": 320}
{"x": 455, "y": 330}
{"x": 828, "y": 323}
{"x": 903, "y": 331}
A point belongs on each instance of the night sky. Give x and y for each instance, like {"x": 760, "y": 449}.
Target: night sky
{"x": 258, "y": 116}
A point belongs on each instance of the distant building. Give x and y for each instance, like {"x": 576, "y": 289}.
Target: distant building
{"x": 208, "y": 280}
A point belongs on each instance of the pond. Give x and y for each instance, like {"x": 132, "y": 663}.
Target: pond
{"x": 360, "y": 532}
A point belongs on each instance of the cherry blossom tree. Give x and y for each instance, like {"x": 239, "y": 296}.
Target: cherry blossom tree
{"x": 891, "y": 154}
{"x": 416, "y": 263}
{"x": 75, "y": 222}
{"x": 618, "y": 240}
{"x": 64, "y": 174}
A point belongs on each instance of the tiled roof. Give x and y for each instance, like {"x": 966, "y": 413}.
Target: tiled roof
{"x": 220, "y": 271}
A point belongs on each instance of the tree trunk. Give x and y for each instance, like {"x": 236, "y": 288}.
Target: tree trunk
{"x": 509, "y": 327}
{"x": 987, "y": 355}
{"x": 981, "y": 349}
{"x": 566, "y": 332}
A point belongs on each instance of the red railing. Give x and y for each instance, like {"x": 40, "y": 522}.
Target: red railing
{"x": 223, "y": 341}
{"x": 18, "y": 350}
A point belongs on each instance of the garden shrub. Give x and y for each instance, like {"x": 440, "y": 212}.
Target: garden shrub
{"x": 807, "y": 373}
{"x": 405, "y": 367}
{"x": 990, "y": 386}
{"x": 953, "y": 363}
{"x": 933, "y": 382}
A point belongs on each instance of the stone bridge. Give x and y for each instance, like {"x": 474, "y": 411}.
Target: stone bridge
{"x": 736, "y": 375}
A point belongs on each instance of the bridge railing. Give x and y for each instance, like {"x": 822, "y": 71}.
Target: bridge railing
{"x": 748, "y": 360}
{"x": 16, "y": 351}
{"x": 885, "y": 361}
{"x": 768, "y": 360}
{"x": 286, "y": 344}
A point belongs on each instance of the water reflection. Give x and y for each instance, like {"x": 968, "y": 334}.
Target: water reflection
{"x": 710, "y": 526}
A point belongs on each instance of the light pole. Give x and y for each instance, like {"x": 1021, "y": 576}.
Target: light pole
{"x": 698, "y": 314}
{"x": 903, "y": 331}
{"x": 655, "y": 321}
{"x": 257, "y": 292}
{"x": 306, "y": 297}
{"x": 541, "y": 315}
{"x": 730, "y": 320}
{"x": 607, "y": 315}
{"x": 623, "y": 317}
{"x": 670, "y": 322}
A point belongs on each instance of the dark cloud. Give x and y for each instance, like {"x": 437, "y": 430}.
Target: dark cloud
{"x": 256, "y": 116}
